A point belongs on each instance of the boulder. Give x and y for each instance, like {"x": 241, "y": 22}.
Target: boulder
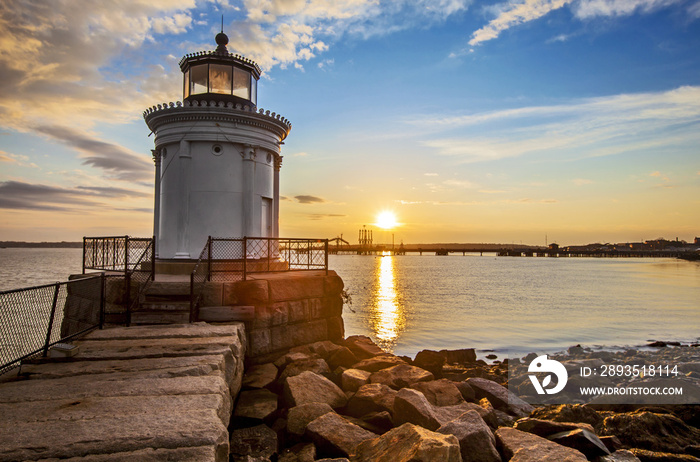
{"x": 568, "y": 413}
{"x": 464, "y": 356}
{"x": 260, "y": 376}
{"x": 376, "y": 422}
{"x": 352, "y": 379}
{"x": 316, "y": 365}
{"x": 430, "y": 361}
{"x": 362, "y": 346}
{"x": 476, "y": 442}
{"x": 518, "y": 446}
{"x": 335, "y": 436}
{"x": 441, "y": 392}
{"x": 372, "y": 397}
{"x": 257, "y": 443}
{"x": 651, "y": 431}
{"x": 299, "y": 417}
{"x": 582, "y": 440}
{"x": 501, "y": 398}
{"x": 413, "y": 407}
{"x": 645, "y": 455}
{"x": 323, "y": 348}
{"x": 342, "y": 357}
{"x": 401, "y": 376}
{"x": 544, "y": 428}
{"x": 308, "y": 387}
{"x": 379, "y": 362}
{"x": 409, "y": 443}
{"x": 302, "y": 452}
{"x": 256, "y": 404}
{"x": 466, "y": 391}
{"x": 283, "y": 360}
{"x": 622, "y": 455}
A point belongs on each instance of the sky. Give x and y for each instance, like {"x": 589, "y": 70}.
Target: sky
{"x": 533, "y": 121}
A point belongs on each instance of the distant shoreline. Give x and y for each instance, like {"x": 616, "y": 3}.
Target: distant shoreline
{"x": 40, "y": 245}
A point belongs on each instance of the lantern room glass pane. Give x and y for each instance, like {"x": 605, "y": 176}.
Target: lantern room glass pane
{"x": 220, "y": 79}
{"x": 186, "y": 89}
{"x": 241, "y": 83}
{"x": 253, "y": 90}
{"x": 198, "y": 79}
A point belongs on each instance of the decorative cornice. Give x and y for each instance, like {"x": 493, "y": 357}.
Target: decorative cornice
{"x": 233, "y": 112}
{"x": 217, "y": 54}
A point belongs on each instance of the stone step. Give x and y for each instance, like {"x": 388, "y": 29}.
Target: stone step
{"x": 168, "y": 288}
{"x": 149, "y": 306}
{"x": 226, "y": 313}
{"x": 160, "y": 317}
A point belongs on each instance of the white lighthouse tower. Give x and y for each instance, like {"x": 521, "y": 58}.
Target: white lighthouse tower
{"x": 217, "y": 157}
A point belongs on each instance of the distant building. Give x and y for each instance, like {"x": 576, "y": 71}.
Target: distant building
{"x": 697, "y": 241}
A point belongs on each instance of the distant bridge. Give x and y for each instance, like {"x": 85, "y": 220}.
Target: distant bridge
{"x": 499, "y": 250}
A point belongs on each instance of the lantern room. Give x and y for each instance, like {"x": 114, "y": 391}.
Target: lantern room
{"x": 221, "y": 75}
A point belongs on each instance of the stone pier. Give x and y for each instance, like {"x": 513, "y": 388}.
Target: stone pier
{"x": 140, "y": 393}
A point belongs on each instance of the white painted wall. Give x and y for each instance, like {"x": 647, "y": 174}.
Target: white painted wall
{"x": 203, "y": 192}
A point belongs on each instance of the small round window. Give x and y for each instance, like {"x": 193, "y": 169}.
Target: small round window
{"x": 217, "y": 150}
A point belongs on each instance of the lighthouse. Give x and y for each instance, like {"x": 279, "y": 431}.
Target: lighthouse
{"x": 217, "y": 156}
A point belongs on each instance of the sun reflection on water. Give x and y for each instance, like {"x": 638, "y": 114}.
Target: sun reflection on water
{"x": 387, "y": 314}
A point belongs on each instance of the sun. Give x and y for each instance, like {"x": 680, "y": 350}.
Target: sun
{"x": 386, "y": 220}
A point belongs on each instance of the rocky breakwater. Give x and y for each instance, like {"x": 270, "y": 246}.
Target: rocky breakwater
{"x": 349, "y": 400}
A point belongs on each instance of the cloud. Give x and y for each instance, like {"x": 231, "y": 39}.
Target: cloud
{"x": 19, "y": 195}
{"x": 303, "y": 199}
{"x": 16, "y": 159}
{"x": 586, "y": 9}
{"x": 321, "y": 216}
{"x": 290, "y": 32}
{"x": 513, "y": 14}
{"x": 117, "y": 161}
{"x": 581, "y": 181}
{"x": 591, "y": 127}
{"x": 431, "y": 174}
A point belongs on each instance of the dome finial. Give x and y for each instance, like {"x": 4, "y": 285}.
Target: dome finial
{"x": 221, "y": 39}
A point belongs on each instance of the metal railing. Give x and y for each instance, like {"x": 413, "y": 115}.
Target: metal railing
{"x": 34, "y": 319}
{"x": 115, "y": 253}
{"x": 233, "y": 259}
{"x": 132, "y": 256}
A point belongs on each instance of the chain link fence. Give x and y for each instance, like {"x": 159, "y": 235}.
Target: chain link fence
{"x": 34, "y": 319}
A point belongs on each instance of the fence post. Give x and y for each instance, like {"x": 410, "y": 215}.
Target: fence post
{"x": 192, "y": 296}
{"x": 245, "y": 258}
{"x": 102, "y": 300}
{"x": 84, "y": 241}
{"x": 127, "y": 281}
{"x": 209, "y": 242}
{"x": 153, "y": 258}
{"x": 53, "y": 313}
{"x": 326, "y": 255}
{"x": 268, "y": 254}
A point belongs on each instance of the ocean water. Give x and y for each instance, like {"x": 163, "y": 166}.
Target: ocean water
{"x": 20, "y": 267}
{"x": 515, "y": 305}
{"x": 503, "y": 305}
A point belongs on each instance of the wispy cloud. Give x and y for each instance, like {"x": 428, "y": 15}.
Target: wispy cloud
{"x": 27, "y": 196}
{"x": 581, "y": 128}
{"x": 116, "y": 160}
{"x": 322, "y": 216}
{"x": 581, "y": 181}
{"x": 305, "y": 199}
{"x": 514, "y": 13}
